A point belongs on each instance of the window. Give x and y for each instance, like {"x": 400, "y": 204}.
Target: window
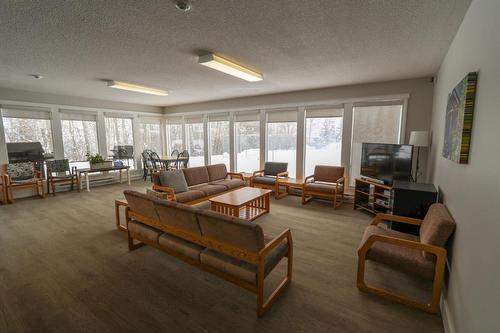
{"x": 219, "y": 140}
{"x": 377, "y": 124}
{"x": 174, "y": 137}
{"x": 282, "y": 138}
{"x": 323, "y": 138}
{"x": 247, "y": 136}
{"x": 79, "y": 133}
{"x": 150, "y": 134}
{"x": 195, "y": 145}
{"x": 28, "y": 126}
{"x": 119, "y": 133}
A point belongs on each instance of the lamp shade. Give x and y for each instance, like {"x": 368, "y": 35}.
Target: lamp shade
{"x": 419, "y": 138}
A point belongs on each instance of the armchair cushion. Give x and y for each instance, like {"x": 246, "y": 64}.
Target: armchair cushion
{"x": 437, "y": 227}
{"x": 328, "y": 173}
{"x": 21, "y": 171}
{"x": 174, "y": 179}
{"x": 217, "y": 172}
{"x": 265, "y": 180}
{"x": 409, "y": 260}
{"x": 273, "y": 168}
{"x": 320, "y": 187}
{"x": 58, "y": 165}
{"x": 156, "y": 195}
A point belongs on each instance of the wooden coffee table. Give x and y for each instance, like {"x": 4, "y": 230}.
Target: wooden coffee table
{"x": 247, "y": 203}
{"x": 289, "y": 183}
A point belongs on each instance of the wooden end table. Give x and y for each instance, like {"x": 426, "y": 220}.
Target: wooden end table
{"x": 289, "y": 183}
{"x": 247, "y": 203}
{"x": 120, "y": 203}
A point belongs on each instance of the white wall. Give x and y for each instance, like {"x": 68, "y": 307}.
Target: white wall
{"x": 472, "y": 191}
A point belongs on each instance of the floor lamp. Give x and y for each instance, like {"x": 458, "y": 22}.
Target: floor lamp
{"x": 419, "y": 139}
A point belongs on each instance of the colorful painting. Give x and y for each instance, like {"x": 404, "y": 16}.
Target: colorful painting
{"x": 459, "y": 114}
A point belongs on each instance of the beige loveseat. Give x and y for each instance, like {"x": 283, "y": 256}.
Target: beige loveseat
{"x": 231, "y": 248}
{"x": 203, "y": 183}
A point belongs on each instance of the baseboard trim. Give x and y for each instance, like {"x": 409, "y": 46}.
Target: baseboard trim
{"x": 448, "y": 325}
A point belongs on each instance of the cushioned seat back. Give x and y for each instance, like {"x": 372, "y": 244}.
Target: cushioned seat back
{"x": 217, "y": 172}
{"x": 437, "y": 227}
{"x": 273, "y": 168}
{"x": 231, "y": 230}
{"x": 195, "y": 176}
{"x": 328, "y": 173}
{"x": 141, "y": 204}
{"x": 178, "y": 215}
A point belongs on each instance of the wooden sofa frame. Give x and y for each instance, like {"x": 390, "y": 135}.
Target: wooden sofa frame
{"x": 171, "y": 193}
{"x": 257, "y": 259}
{"x": 333, "y": 197}
{"x": 275, "y": 187}
{"x": 439, "y": 252}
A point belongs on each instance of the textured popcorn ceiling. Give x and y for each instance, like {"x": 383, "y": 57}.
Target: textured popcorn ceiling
{"x": 296, "y": 45}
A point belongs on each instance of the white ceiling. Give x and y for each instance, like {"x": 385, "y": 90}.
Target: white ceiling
{"x": 296, "y": 44}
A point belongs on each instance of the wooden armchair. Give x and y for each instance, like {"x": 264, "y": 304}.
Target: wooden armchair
{"x": 424, "y": 256}
{"x": 20, "y": 176}
{"x": 268, "y": 177}
{"x": 59, "y": 172}
{"x": 3, "y": 189}
{"x": 328, "y": 182}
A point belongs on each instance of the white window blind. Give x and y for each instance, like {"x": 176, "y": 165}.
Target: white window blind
{"x": 78, "y": 115}
{"x": 118, "y": 115}
{"x": 27, "y": 112}
{"x": 324, "y": 112}
{"x": 149, "y": 120}
{"x": 194, "y": 119}
{"x": 174, "y": 120}
{"x": 278, "y": 116}
{"x": 247, "y": 116}
{"x": 218, "y": 117}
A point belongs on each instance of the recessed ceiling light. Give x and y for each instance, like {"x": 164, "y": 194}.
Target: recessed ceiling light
{"x": 136, "y": 88}
{"x": 183, "y": 5}
{"x": 36, "y": 76}
{"x": 226, "y": 66}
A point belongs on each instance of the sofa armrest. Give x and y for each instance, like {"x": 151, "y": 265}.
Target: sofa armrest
{"x": 439, "y": 252}
{"x": 258, "y": 173}
{"x": 308, "y": 178}
{"x": 395, "y": 218}
{"x": 283, "y": 174}
{"x": 277, "y": 241}
{"x": 341, "y": 180}
{"x": 235, "y": 175}
{"x": 169, "y": 190}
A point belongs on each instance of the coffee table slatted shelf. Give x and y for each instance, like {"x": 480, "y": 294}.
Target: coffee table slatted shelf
{"x": 247, "y": 203}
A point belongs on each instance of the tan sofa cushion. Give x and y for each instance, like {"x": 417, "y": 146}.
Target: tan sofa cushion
{"x": 208, "y": 189}
{"x": 180, "y": 246}
{"x": 437, "y": 227}
{"x": 231, "y": 230}
{"x": 178, "y": 215}
{"x": 217, "y": 172}
{"x": 242, "y": 269}
{"x": 195, "y": 176}
{"x": 230, "y": 183}
{"x": 328, "y": 173}
{"x": 143, "y": 232}
{"x": 409, "y": 260}
{"x": 141, "y": 204}
{"x": 189, "y": 196}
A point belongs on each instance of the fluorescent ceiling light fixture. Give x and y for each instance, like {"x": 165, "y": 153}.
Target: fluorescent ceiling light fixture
{"x": 221, "y": 64}
{"x": 137, "y": 88}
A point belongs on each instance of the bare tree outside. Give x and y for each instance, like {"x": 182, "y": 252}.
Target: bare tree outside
{"x": 282, "y": 144}
{"x": 194, "y": 133}
{"x": 219, "y": 142}
{"x": 29, "y": 130}
{"x": 79, "y": 139}
{"x": 174, "y": 133}
{"x": 151, "y": 137}
{"x": 247, "y": 135}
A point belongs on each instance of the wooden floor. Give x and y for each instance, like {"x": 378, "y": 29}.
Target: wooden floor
{"x": 65, "y": 268}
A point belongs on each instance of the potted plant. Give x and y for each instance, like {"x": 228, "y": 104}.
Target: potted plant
{"x": 98, "y": 162}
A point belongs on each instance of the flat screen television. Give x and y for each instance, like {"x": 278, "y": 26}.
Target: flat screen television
{"x": 386, "y": 162}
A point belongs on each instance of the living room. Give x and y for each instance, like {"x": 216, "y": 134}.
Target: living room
{"x": 255, "y": 166}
